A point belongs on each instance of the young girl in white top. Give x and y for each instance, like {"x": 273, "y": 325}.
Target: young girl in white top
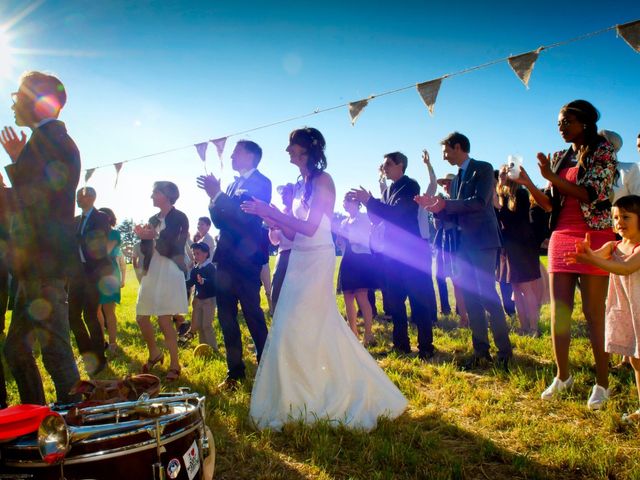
{"x": 622, "y": 260}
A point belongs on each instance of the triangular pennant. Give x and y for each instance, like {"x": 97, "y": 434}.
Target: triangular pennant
{"x": 631, "y": 34}
{"x": 219, "y": 143}
{"x": 429, "y": 92}
{"x": 202, "y": 150}
{"x": 87, "y": 175}
{"x": 118, "y": 167}
{"x": 523, "y": 65}
{"x": 355, "y": 109}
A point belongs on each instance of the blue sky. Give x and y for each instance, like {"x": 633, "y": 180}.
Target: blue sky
{"x": 149, "y": 76}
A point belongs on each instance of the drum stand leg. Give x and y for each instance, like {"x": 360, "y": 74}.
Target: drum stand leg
{"x": 159, "y": 472}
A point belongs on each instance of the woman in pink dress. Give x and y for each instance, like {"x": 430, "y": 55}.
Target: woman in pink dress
{"x": 577, "y": 196}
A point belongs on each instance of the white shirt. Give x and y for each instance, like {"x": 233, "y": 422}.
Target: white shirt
{"x": 628, "y": 182}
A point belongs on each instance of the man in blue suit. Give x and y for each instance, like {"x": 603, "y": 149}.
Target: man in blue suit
{"x": 471, "y": 207}
{"x": 239, "y": 255}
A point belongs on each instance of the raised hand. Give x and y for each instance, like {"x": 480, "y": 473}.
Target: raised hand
{"x": 145, "y": 232}
{"x": 359, "y": 195}
{"x": 199, "y": 279}
{"x": 523, "y": 178}
{"x": 11, "y": 143}
{"x": 583, "y": 251}
{"x": 425, "y": 157}
{"x": 432, "y": 203}
{"x": 544, "y": 163}
{"x": 209, "y": 184}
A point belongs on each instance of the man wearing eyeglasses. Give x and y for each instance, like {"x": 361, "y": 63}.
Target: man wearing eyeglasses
{"x": 44, "y": 175}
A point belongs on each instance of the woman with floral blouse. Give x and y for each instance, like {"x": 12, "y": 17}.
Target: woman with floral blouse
{"x": 577, "y": 196}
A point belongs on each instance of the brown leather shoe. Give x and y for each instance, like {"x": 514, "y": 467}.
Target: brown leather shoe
{"x": 229, "y": 384}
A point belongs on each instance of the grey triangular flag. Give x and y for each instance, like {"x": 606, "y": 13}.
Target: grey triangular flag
{"x": 355, "y": 109}
{"x": 631, "y": 34}
{"x": 523, "y": 65}
{"x": 202, "y": 150}
{"x": 118, "y": 167}
{"x": 429, "y": 92}
{"x": 87, "y": 175}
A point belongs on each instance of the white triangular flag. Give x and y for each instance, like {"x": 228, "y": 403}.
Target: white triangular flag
{"x": 87, "y": 175}
{"x": 219, "y": 143}
{"x": 429, "y": 92}
{"x": 523, "y": 65}
{"x": 118, "y": 167}
{"x": 631, "y": 34}
{"x": 355, "y": 109}
{"x": 202, "y": 150}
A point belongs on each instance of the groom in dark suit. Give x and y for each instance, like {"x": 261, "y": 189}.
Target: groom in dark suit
{"x": 239, "y": 255}
{"x": 407, "y": 259}
{"x": 471, "y": 207}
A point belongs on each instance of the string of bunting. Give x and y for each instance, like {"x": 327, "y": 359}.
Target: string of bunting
{"x": 521, "y": 64}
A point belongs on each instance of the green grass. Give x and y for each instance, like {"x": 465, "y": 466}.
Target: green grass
{"x": 489, "y": 424}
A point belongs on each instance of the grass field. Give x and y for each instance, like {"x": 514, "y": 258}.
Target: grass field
{"x": 487, "y": 425}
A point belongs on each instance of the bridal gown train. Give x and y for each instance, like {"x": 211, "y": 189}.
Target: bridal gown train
{"x": 313, "y": 367}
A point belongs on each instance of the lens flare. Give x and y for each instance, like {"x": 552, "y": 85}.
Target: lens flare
{"x": 6, "y": 54}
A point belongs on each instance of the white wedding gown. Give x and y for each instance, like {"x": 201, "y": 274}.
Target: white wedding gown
{"x": 313, "y": 367}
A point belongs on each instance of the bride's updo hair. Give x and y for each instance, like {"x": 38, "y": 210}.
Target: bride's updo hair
{"x": 314, "y": 144}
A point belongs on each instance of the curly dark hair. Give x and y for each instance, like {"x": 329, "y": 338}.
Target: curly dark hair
{"x": 313, "y": 142}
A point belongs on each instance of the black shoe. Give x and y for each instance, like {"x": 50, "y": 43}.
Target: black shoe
{"x": 477, "y": 362}
{"x": 400, "y": 353}
{"x": 426, "y": 355}
{"x": 503, "y": 363}
{"x": 230, "y": 384}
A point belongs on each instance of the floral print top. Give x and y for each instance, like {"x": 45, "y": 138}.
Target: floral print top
{"x": 596, "y": 175}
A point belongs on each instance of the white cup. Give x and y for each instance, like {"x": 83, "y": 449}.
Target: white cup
{"x": 514, "y": 163}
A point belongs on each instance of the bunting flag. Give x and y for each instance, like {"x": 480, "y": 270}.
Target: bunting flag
{"x": 631, "y": 34}
{"x": 87, "y": 175}
{"x": 220, "y": 143}
{"x": 355, "y": 109}
{"x": 118, "y": 167}
{"x": 523, "y": 65}
{"x": 429, "y": 92}
{"x": 201, "y": 148}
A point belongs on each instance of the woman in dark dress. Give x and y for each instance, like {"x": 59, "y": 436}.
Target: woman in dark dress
{"x": 519, "y": 262}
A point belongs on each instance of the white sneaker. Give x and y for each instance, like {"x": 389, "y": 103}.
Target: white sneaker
{"x": 556, "y": 387}
{"x": 599, "y": 395}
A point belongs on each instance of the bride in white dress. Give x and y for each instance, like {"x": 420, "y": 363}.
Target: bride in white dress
{"x": 313, "y": 367}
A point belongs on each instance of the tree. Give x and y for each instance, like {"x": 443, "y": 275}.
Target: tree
{"x": 129, "y": 238}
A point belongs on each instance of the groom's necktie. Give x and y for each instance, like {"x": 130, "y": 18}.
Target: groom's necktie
{"x": 234, "y": 186}
{"x": 456, "y": 190}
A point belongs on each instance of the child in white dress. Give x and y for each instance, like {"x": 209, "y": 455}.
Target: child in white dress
{"x": 622, "y": 260}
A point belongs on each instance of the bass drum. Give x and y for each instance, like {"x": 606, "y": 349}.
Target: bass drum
{"x": 123, "y": 450}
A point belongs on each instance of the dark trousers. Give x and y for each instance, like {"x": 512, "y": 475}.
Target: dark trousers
{"x": 84, "y": 300}
{"x": 506, "y": 292}
{"x": 404, "y": 282}
{"x": 41, "y": 313}
{"x": 233, "y": 286}
{"x": 3, "y": 387}
{"x": 278, "y": 276}
{"x": 441, "y": 280}
{"x": 478, "y": 283}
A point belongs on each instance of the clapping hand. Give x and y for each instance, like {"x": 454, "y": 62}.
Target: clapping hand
{"x": 544, "y": 163}
{"x": 145, "y": 232}
{"x": 258, "y": 207}
{"x": 583, "y": 251}
{"x": 12, "y": 144}
{"x": 359, "y": 195}
{"x": 209, "y": 184}
{"x": 432, "y": 203}
{"x": 425, "y": 157}
{"x": 199, "y": 279}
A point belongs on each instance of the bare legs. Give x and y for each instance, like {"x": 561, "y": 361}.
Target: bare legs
{"x": 111, "y": 321}
{"x": 265, "y": 278}
{"x": 170, "y": 338}
{"x": 594, "y": 291}
{"x": 360, "y": 296}
{"x": 527, "y": 306}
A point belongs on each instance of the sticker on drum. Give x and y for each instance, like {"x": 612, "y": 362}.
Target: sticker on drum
{"x": 173, "y": 469}
{"x": 192, "y": 460}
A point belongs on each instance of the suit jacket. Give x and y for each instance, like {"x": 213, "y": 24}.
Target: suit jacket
{"x": 92, "y": 240}
{"x": 241, "y": 243}
{"x": 171, "y": 241}
{"x": 472, "y": 208}
{"x": 399, "y": 213}
{"x": 44, "y": 179}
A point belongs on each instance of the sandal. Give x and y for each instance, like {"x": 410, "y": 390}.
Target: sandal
{"x": 146, "y": 368}
{"x": 173, "y": 374}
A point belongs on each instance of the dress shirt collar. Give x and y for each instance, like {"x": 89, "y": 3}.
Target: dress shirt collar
{"x": 44, "y": 121}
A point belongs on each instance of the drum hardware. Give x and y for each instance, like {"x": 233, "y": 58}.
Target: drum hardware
{"x": 158, "y": 468}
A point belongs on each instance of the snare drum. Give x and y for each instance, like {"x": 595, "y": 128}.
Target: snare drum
{"x": 122, "y": 441}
